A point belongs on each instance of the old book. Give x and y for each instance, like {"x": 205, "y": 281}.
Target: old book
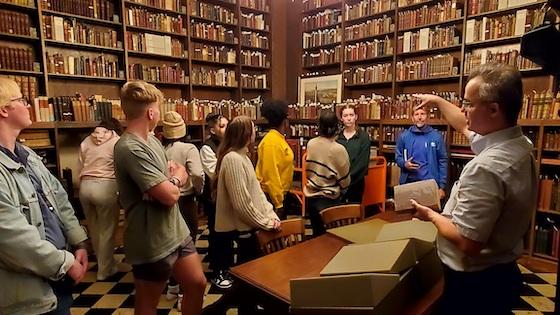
{"x": 424, "y": 192}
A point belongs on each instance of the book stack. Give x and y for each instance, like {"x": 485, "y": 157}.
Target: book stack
{"x": 213, "y": 77}
{"x": 547, "y": 238}
{"x": 171, "y": 5}
{"x": 459, "y": 139}
{"x": 27, "y": 3}
{"x": 322, "y": 57}
{"x": 254, "y": 58}
{"x": 372, "y": 74}
{"x": 367, "y": 7}
{"x": 507, "y": 54}
{"x": 73, "y": 31}
{"x": 434, "y": 66}
{"x": 404, "y": 105}
{"x": 541, "y": 105}
{"x": 16, "y": 23}
{"x": 97, "y": 9}
{"x": 213, "y": 53}
{"x": 314, "y": 4}
{"x": 322, "y": 19}
{"x": 17, "y": 58}
{"x": 392, "y": 133}
{"x": 253, "y": 39}
{"x": 322, "y": 37}
{"x": 141, "y": 17}
{"x": 368, "y": 108}
{"x": 77, "y": 64}
{"x": 254, "y": 81}
{"x": 551, "y": 140}
{"x": 212, "y": 12}
{"x": 28, "y": 85}
{"x": 373, "y": 133}
{"x": 255, "y": 21}
{"x": 303, "y": 111}
{"x": 503, "y": 26}
{"x": 369, "y": 49}
{"x": 260, "y": 5}
{"x": 441, "y": 12}
{"x": 165, "y": 73}
{"x": 300, "y": 130}
{"x": 370, "y": 28}
{"x": 426, "y": 38}
{"x": 155, "y": 44}
{"x": 481, "y": 6}
{"x": 212, "y": 32}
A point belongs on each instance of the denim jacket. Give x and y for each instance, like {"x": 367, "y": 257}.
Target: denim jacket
{"x": 27, "y": 260}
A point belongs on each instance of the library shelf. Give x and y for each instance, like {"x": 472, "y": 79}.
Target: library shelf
{"x": 203, "y": 19}
{"x": 215, "y": 63}
{"x": 19, "y": 37}
{"x": 221, "y": 2}
{"x": 329, "y": 45}
{"x": 82, "y": 77}
{"x": 428, "y": 80}
{"x": 154, "y": 8}
{"x": 41, "y": 125}
{"x": 447, "y": 22}
{"x": 529, "y": 122}
{"x": 326, "y": 65}
{"x": 161, "y": 83}
{"x": 551, "y": 122}
{"x": 15, "y": 6}
{"x": 83, "y": 18}
{"x": 21, "y": 72}
{"x": 303, "y": 121}
{"x": 334, "y": 5}
{"x": 76, "y": 124}
{"x": 209, "y": 86}
{"x": 369, "y": 17}
{"x": 417, "y": 4}
{"x": 367, "y": 85}
{"x": 256, "y": 30}
{"x": 154, "y": 31}
{"x": 460, "y": 145}
{"x": 554, "y": 162}
{"x": 254, "y": 67}
{"x": 506, "y": 10}
{"x": 368, "y": 121}
{"x": 43, "y": 147}
{"x": 211, "y": 41}
{"x": 462, "y": 156}
{"x": 254, "y": 88}
{"x": 524, "y": 72}
{"x": 368, "y": 60}
{"x": 136, "y": 53}
{"x": 430, "y": 51}
{"x": 322, "y": 27}
{"x": 366, "y": 38}
{"x": 255, "y": 48}
{"x": 388, "y": 150}
{"x": 80, "y": 46}
{"x": 548, "y": 257}
{"x": 548, "y": 211}
{"x": 493, "y": 42}
{"x": 253, "y": 10}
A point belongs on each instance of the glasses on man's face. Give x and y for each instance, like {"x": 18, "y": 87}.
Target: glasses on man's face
{"x": 21, "y": 100}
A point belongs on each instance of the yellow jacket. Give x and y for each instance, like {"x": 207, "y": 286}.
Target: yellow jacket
{"x": 275, "y": 166}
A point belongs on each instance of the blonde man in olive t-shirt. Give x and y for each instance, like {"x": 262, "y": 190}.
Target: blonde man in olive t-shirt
{"x": 156, "y": 238}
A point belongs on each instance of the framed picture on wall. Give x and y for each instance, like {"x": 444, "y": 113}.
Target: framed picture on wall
{"x": 325, "y": 89}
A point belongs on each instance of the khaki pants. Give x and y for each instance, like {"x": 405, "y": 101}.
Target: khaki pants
{"x": 100, "y": 203}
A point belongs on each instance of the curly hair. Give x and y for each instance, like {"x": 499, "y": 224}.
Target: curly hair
{"x": 275, "y": 112}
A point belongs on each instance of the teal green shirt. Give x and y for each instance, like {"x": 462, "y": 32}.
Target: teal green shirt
{"x": 358, "y": 151}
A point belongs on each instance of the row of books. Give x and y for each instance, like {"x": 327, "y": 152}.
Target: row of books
{"x": 503, "y": 26}
{"x": 314, "y": 4}
{"x": 161, "y": 73}
{"x": 503, "y": 54}
{"x": 197, "y": 110}
{"x": 373, "y": 132}
{"x": 98, "y": 9}
{"x": 213, "y": 53}
{"x": 212, "y": 12}
{"x": 76, "y": 64}
{"x": 306, "y": 111}
{"x": 73, "y": 31}
{"x": 322, "y": 19}
{"x": 254, "y": 58}
{"x": 255, "y": 21}
{"x": 16, "y": 23}
{"x": 547, "y": 239}
{"x": 17, "y": 59}
{"x": 403, "y": 3}
{"x": 392, "y": 133}
{"x": 404, "y": 104}
{"x": 441, "y": 12}
{"x": 254, "y": 81}
{"x": 371, "y": 74}
{"x": 298, "y": 147}
{"x": 157, "y": 21}
{"x": 368, "y": 7}
{"x": 367, "y": 50}
{"x": 551, "y": 141}
{"x": 75, "y": 108}
{"x": 427, "y": 38}
{"x": 458, "y": 138}
{"x": 212, "y": 31}
{"x": 254, "y": 39}
{"x": 155, "y": 44}
{"x": 434, "y": 66}
{"x": 171, "y": 5}
{"x": 369, "y": 28}
{"x": 261, "y": 5}
{"x": 322, "y": 37}
{"x": 27, "y": 84}
{"x": 27, "y": 3}
{"x": 540, "y": 105}
{"x": 300, "y": 130}
{"x": 322, "y": 57}
{"x": 213, "y": 77}
{"x": 481, "y": 6}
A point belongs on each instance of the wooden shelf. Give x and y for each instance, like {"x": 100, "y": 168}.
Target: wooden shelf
{"x": 545, "y": 256}
{"x": 551, "y": 122}
{"x": 162, "y": 10}
{"x": 211, "y": 41}
{"x": 81, "y": 46}
{"x": 255, "y": 67}
{"x": 322, "y": 27}
{"x": 203, "y": 19}
{"x": 323, "y": 46}
{"x": 430, "y": 51}
{"x": 82, "y": 77}
{"x": 367, "y": 85}
{"x": 506, "y": 10}
{"x": 253, "y": 10}
{"x": 327, "y": 65}
{"x": 214, "y": 87}
{"x": 368, "y": 122}
{"x": 493, "y": 42}
{"x": 254, "y": 88}
{"x": 83, "y": 18}
{"x": 303, "y": 121}
{"x": 41, "y": 125}
{"x": 548, "y": 211}
{"x": 335, "y": 5}
{"x": 460, "y": 145}
{"x": 167, "y": 83}
{"x": 448, "y": 22}
{"x": 254, "y": 48}
{"x": 135, "y": 53}
{"x": 429, "y": 80}
{"x": 369, "y": 17}
{"x": 415, "y": 5}
{"x": 529, "y": 122}
{"x": 365, "y": 39}
{"x": 14, "y": 6}
{"x": 20, "y": 72}
{"x": 76, "y": 124}
{"x": 44, "y": 147}
{"x": 463, "y": 156}
{"x": 554, "y": 162}
{"x": 216, "y": 63}
{"x": 256, "y": 30}
{"x": 18, "y": 37}
{"x": 149, "y": 30}
{"x": 367, "y": 60}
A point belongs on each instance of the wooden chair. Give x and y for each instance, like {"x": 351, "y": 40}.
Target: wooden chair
{"x": 293, "y": 232}
{"x": 341, "y": 215}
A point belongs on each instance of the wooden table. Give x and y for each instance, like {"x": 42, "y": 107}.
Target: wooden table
{"x": 269, "y": 276}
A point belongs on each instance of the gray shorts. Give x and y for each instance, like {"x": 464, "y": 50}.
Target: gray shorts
{"x": 161, "y": 270}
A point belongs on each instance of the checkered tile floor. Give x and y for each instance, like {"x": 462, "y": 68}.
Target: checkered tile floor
{"x": 113, "y": 296}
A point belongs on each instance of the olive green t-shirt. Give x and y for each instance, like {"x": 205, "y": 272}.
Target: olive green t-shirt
{"x": 153, "y": 230}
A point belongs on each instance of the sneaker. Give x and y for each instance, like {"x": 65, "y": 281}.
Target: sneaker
{"x": 113, "y": 272}
{"x": 172, "y": 292}
{"x": 222, "y": 280}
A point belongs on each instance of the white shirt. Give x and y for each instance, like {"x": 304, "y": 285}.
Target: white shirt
{"x": 493, "y": 200}
{"x": 209, "y": 161}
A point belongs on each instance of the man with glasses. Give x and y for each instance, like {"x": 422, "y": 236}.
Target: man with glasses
{"x": 490, "y": 207}
{"x": 41, "y": 242}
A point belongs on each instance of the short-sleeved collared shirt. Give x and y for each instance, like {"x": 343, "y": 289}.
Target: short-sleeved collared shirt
{"x": 493, "y": 200}
{"x": 153, "y": 230}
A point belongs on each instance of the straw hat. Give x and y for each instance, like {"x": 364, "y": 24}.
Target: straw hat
{"x": 173, "y": 126}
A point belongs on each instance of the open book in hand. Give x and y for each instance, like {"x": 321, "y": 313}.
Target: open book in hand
{"x": 424, "y": 192}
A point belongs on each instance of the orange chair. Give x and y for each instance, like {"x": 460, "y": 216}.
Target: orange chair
{"x": 341, "y": 215}
{"x": 375, "y": 183}
{"x": 299, "y": 192}
{"x": 292, "y": 233}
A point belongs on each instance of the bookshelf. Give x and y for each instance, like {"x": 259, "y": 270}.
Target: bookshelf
{"x": 463, "y": 50}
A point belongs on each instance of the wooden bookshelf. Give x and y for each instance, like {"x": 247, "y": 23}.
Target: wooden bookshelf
{"x": 80, "y": 46}
{"x": 507, "y": 10}
{"x": 21, "y": 72}
{"x": 444, "y": 23}
{"x": 154, "y": 31}
{"x": 322, "y": 27}
{"x": 156, "y": 56}
{"x": 17, "y": 37}
{"x": 83, "y": 18}
{"x": 430, "y": 51}
{"x": 153, "y": 8}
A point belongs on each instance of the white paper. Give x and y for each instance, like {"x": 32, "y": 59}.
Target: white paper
{"x": 406, "y": 42}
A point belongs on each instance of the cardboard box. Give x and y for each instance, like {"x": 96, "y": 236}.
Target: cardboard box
{"x": 425, "y": 192}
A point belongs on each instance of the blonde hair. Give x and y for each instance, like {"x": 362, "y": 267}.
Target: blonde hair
{"x": 136, "y": 96}
{"x": 8, "y": 89}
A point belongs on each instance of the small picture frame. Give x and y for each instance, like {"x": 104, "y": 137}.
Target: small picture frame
{"x": 320, "y": 90}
